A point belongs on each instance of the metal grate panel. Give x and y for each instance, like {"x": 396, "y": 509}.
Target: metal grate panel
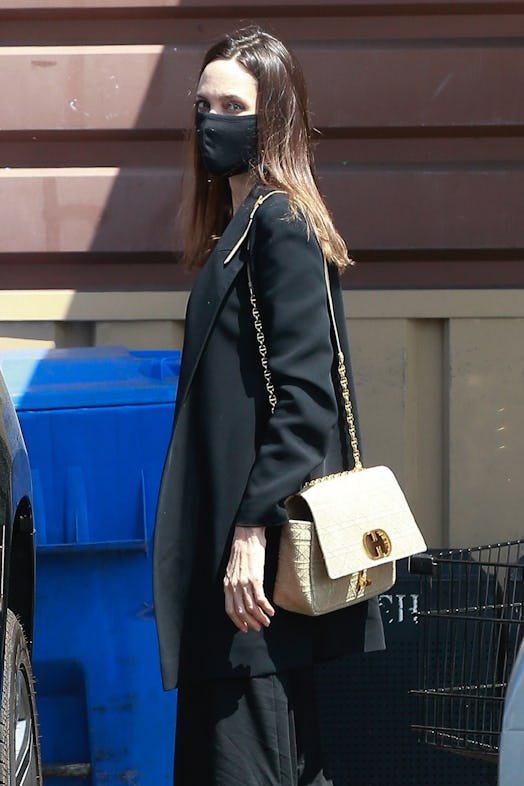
{"x": 471, "y": 618}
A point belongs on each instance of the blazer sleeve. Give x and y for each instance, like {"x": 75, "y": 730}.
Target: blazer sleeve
{"x": 288, "y": 277}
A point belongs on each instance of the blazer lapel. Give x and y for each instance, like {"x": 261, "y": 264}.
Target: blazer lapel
{"x": 210, "y": 289}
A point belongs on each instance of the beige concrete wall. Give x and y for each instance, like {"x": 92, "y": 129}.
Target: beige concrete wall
{"x": 439, "y": 375}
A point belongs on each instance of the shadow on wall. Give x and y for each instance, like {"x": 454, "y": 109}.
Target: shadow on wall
{"x": 105, "y": 186}
{"x": 134, "y": 246}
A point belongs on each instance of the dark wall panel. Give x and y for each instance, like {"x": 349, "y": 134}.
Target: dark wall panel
{"x": 418, "y": 106}
{"x": 372, "y": 86}
{"x": 378, "y": 209}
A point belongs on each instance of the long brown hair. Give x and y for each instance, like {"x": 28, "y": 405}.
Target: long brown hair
{"x": 285, "y": 158}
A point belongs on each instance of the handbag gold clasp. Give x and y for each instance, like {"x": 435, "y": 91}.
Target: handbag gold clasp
{"x": 363, "y": 581}
{"x": 377, "y": 544}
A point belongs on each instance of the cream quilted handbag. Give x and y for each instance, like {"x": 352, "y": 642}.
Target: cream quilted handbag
{"x": 344, "y": 534}
{"x": 346, "y": 530}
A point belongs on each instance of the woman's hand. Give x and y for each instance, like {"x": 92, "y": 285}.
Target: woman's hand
{"x": 246, "y": 603}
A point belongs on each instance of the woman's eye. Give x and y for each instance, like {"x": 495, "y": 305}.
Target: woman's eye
{"x": 201, "y": 105}
{"x": 233, "y": 107}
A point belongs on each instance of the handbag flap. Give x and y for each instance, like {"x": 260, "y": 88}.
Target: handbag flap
{"x": 361, "y": 518}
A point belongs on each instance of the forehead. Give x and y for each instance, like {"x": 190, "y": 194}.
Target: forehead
{"x": 226, "y": 77}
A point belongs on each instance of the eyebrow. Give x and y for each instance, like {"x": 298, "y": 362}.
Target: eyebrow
{"x": 225, "y": 97}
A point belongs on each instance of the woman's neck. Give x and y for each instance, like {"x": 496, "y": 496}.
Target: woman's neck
{"x": 240, "y": 186}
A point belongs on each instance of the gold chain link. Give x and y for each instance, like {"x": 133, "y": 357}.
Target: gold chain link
{"x": 344, "y": 387}
{"x": 262, "y": 346}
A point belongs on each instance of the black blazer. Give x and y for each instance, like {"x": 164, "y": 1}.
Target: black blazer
{"x": 230, "y": 461}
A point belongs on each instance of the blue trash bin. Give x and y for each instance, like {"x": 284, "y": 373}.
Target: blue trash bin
{"x": 97, "y": 422}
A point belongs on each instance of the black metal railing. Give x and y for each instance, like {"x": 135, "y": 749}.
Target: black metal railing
{"x": 472, "y": 622}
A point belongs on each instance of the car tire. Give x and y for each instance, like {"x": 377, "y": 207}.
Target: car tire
{"x": 20, "y": 763}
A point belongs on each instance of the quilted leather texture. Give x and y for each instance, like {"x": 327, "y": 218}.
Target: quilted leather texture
{"x": 345, "y": 507}
{"x": 322, "y": 549}
{"x": 302, "y": 584}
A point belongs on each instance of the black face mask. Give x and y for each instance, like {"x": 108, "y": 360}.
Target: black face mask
{"x": 227, "y": 143}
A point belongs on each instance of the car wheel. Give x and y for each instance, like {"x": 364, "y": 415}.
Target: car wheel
{"x": 20, "y": 763}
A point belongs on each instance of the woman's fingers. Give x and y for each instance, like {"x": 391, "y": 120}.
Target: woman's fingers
{"x": 246, "y": 607}
{"x": 237, "y": 610}
{"x": 253, "y": 607}
{"x": 234, "y": 610}
{"x": 261, "y": 601}
{"x": 245, "y": 601}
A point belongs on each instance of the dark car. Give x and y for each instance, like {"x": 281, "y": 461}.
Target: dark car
{"x": 19, "y": 745}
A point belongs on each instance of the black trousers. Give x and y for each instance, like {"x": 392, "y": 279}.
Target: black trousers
{"x": 258, "y": 731}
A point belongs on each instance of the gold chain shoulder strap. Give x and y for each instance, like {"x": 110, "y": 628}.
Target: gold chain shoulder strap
{"x": 341, "y": 363}
{"x": 261, "y": 344}
{"x": 343, "y": 377}
{"x": 260, "y": 201}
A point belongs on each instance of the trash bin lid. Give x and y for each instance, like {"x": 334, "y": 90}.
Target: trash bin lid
{"x": 89, "y": 377}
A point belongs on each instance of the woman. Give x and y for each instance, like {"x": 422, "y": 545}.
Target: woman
{"x": 244, "y": 667}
